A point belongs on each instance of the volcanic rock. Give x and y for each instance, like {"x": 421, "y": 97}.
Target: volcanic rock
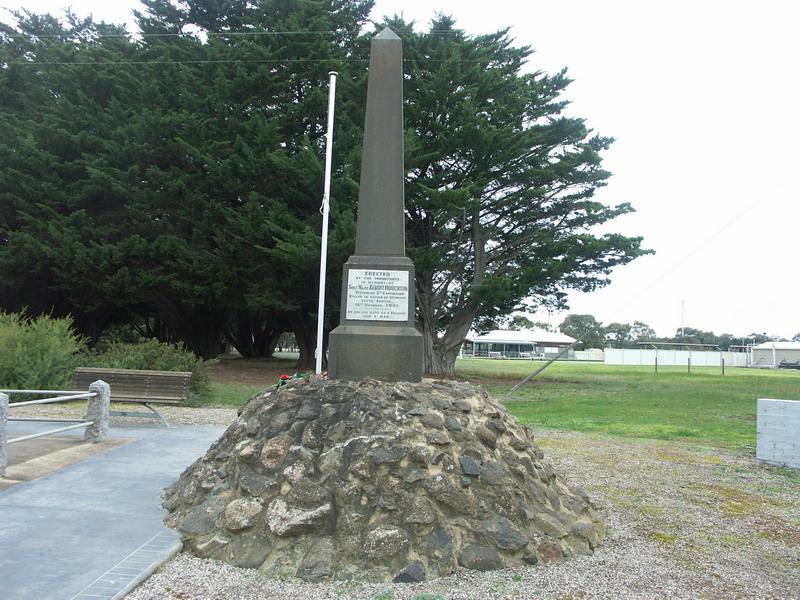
{"x": 334, "y": 480}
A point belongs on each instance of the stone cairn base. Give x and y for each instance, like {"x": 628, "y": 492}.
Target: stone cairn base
{"x": 334, "y": 480}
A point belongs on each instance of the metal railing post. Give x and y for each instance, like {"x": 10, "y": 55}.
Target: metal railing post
{"x": 97, "y": 412}
{"x": 3, "y": 434}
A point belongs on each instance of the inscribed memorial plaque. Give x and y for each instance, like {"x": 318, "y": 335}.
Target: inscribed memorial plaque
{"x": 377, "y": 295}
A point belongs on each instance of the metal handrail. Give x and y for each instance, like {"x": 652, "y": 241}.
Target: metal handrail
{"x": 56, "y": 399}
{"x": 35, "y": 391}
{"x": 49, "y": 432}
{"x": 95, "y": 421}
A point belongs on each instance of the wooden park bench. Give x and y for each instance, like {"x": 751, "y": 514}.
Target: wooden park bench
{"x": 141, "y": 387}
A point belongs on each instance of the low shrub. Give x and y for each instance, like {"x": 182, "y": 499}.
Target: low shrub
{"x": 154, "y": 356}
{"x": 118, "y": 333}
{"x": 38, "y": 353}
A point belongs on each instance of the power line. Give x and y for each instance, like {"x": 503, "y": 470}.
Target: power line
{"x": 127, "y": 34}
{"x": 230, "y": 61}
{"x": 641, "y": 293}
{"x": 94, "y": 34}
{"x": 189, "y": 62}
{"x": 686, "y": 258}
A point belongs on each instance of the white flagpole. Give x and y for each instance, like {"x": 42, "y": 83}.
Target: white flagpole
{"x": 325, "y": 212}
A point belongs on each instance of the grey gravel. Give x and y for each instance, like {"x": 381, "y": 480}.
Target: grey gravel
{"x": 175, "y": 415}
{"x": 685, "y": 522}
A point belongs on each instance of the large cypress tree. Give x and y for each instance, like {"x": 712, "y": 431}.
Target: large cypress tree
{"x": 58, "y": 96}
{"x": 205, "y": 178}
{"x": 500, "y": 187}
{"x": 261, "y": 89}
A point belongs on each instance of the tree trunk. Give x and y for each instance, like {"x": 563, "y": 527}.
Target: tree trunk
{"x": 240, "y": 336}
{"x": 200, "y": 327}
{"x": 91, "y": 324}
{"x": 441, "y": 352}
{"x": 252, "y": 337}
{"x": 270, "y": 342}
{"x": 306, "y": 337}
{"x": 438, "y": 360}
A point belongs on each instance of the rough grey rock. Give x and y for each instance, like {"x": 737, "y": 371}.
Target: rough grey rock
{"x": 240, "y": 513}
{"x": 480, "y": 558}
{"x": 317, "y": 564}
{"x": 379, "y": 481}
{"x": 503, "y": 533}
{"x": 383, "y": 543}
{"x": 413, "y": 573}
{"x": 201, "y": 519}
{"x": 470, "y": 466}
{"x": 452, "y": 424}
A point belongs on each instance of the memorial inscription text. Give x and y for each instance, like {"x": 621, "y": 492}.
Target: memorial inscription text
{"x": 377, "y": 295}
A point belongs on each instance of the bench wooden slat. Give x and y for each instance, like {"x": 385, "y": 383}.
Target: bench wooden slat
{"x": 137, "y": 386}
{"x": 138, "y": 378}
{"x": 144, "y": 379}
{"x": 133, "y": 371}
{"x": 137, "y": 398}
{"x": 172, "y": 389}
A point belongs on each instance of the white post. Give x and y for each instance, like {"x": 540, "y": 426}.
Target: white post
{"x": 325, "y": 212}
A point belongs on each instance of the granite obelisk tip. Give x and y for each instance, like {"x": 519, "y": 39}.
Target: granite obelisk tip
{"x": 381, "y": 228}
{"x": 386, "y": 34}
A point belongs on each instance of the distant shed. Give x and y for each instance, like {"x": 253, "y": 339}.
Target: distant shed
{"x": 529, "y": 343}
{"x": 771, "y": 354}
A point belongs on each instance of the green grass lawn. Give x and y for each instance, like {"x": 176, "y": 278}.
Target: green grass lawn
{"x": 231, "y": 394}
{"x": 235, "y": 380}
{"x": 702, "y": 406}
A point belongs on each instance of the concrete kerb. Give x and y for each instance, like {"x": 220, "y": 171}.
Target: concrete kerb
{"x": 125, "y": 576}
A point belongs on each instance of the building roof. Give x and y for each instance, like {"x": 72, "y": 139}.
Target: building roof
{"x": 778, "y": 346}
{"x": 525, "y": 336}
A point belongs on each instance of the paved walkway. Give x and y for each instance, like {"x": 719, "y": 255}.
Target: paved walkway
{"x": 93, "y": 529}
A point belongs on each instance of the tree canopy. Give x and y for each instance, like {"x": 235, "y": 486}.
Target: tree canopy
{"x": 500, "y": 187}
{"x": 585, "y": 328}
{"x": 173, "y": 180}
{"x": 520, "y": 323}
{"x": 176, "y": 180}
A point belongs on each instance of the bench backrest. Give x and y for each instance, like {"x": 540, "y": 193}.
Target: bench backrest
{"x": 132, "y": 384}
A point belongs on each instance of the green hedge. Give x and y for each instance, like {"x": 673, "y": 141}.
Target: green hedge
{"x": 38, "y": 353}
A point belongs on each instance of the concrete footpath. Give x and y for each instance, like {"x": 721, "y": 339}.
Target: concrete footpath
{"x": 92, "y": 529}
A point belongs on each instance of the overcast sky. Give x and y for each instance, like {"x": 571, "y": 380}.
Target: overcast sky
{"x": 703, "y": 99}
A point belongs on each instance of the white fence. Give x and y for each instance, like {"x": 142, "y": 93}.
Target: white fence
{"x": 594, "y": 355}
{"x": 648, "y": 357}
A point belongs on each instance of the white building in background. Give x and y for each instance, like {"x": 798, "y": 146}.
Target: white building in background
{"x": 526, "y": 344}
{"x": 772, "y": 354}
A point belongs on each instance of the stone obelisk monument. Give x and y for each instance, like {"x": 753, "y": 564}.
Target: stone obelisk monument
{"x": 376, "y": 336}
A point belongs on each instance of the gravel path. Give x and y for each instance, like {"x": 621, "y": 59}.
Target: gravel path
{"x": 685, "y": 522}
{"x": 175, "y": 415}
